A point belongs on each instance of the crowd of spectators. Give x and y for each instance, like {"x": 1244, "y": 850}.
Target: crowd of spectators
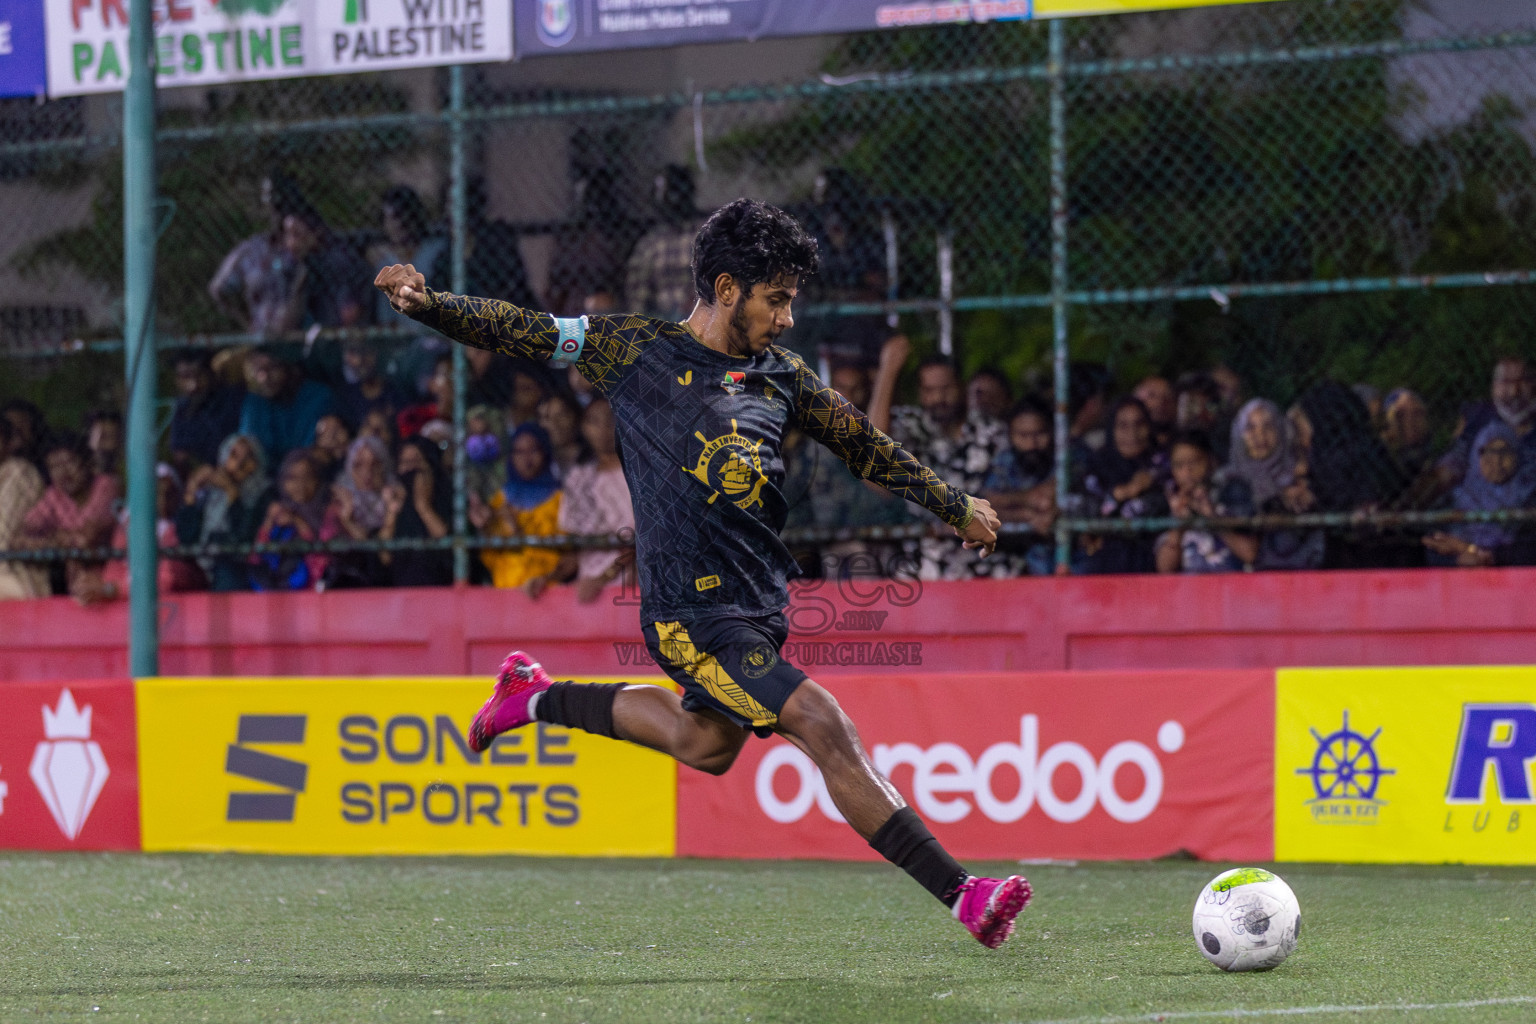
{"x": 1198, "y": 446}
{"x": 287, "y": 440}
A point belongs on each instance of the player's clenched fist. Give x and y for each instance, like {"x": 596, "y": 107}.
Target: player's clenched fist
{"x": 981, "y": 533}
{"x": 407, "y": 290}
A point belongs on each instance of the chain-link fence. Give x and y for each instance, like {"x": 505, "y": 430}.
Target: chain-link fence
{"x": 1257, "y": 199}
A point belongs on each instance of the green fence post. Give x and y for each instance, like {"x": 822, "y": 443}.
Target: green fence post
{"x": 458, "y": 217}
{"x": 139, "y": 333}
{"x": 1056, "y": 65}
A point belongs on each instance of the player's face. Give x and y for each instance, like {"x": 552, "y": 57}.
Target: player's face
{"x": 759, "y": 317}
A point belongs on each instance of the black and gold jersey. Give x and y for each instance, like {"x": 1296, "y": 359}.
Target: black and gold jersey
{"x": 701, "y": 436}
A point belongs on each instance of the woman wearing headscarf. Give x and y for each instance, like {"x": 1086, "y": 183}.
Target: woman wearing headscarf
{"x": 420, "y": 508}
{"x": 1349, "y": 469}
{"x": 1125, "y": 480}
{"x": 527, "y": 506}
{"x": 1499, "y": 476}
{"x": 1264, "y": 456}
{"x": 360, "y": 507}
{"x": 225, "y": 504}
{"x": 301, "y": 512}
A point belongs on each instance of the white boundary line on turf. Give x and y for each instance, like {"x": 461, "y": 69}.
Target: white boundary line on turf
{"x": 1293, "y": 1011}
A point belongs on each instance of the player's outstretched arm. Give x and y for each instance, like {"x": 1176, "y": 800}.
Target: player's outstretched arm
{"x": 490, "y": 324}
{"x": 831, "y": 419}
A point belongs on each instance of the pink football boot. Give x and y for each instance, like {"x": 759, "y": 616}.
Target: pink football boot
{"x": 987, "y": 907}
{"x": 519, "y": 679}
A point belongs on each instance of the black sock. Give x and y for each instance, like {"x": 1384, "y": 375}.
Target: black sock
{"x": 586, "y": 706}
{"x": 906, "y": 842}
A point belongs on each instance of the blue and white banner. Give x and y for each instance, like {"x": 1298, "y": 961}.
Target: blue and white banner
{"x": 575, "y": 26}
{"x": 22, "y": 71}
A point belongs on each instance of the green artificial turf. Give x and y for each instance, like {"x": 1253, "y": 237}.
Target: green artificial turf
{"x": 235, "y": 938}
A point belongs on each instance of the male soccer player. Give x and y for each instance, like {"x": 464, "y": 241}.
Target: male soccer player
{"x": 701, "y": 408}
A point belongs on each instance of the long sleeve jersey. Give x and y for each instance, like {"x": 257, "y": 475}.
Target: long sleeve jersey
{"x": 701, "y": 437}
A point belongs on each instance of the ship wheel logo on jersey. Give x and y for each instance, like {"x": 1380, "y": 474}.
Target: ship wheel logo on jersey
{"x": 731, "y": 465}
{"x": 734, "y": 382}
{"x": 1346, "y": 773}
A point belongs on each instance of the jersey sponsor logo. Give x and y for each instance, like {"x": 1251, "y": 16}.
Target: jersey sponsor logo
{"x": 759, "y": 661}
{"x": 706, "y": 583}
{"x": 288, "y": 775}
{"x": 734, "y": 382}
{"x": 686, "y": 379}
{"x": 731, "y": 465}
{"x": 68, "y": 767}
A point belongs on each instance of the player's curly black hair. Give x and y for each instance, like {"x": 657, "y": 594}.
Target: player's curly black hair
{"x": 753, "y": 242}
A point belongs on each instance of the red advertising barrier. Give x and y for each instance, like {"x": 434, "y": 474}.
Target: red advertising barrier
{"x": 69, "y": 774}
{"x": 1093, "y": 765}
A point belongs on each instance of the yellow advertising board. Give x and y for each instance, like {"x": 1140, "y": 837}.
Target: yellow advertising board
{"x": 1073, "y": 8}
{"x": 1406, "y": 765}
{"x": 360, "y": 766}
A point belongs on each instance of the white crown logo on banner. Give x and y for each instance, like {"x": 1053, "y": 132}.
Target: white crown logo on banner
{"x": 68, "y": 768}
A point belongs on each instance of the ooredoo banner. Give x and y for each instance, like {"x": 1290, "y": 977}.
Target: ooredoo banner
{"x": 1407, "y": 765}
{"x": 339, "y": 766}
{"x": 1063, "y": 765}
{"x": 69, "y": 766}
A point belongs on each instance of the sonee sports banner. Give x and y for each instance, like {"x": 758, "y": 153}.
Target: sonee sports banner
{"x": 348, "y": 766}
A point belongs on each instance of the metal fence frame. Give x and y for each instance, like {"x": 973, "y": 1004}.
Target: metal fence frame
{"x": 1057, "y": 71}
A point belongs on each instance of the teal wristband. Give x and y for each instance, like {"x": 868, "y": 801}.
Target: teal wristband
{"x": 573, "y": 337}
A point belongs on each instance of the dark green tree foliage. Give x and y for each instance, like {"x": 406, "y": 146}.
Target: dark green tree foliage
{"x": 1304, "y": 170}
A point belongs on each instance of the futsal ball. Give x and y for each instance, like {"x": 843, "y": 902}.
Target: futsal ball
{"x": 1247, "y": 919}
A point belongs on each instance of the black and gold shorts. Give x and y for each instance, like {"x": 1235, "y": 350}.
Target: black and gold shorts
{"x": 729, "y": 664}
